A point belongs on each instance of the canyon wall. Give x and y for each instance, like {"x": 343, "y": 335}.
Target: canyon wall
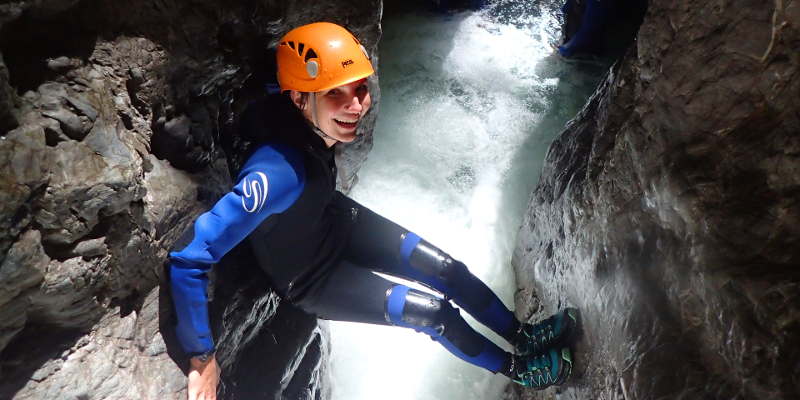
{"x": 118, "y": 128}
{"x": 668, "y": 211}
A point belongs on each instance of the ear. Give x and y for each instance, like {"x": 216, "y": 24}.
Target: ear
{"x": 297, "y": 99}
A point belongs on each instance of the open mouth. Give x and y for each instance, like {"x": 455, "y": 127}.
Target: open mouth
{"x": 346, "y": 124}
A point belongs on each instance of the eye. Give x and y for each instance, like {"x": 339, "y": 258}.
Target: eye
{"x": 363, "y": 88}
{"x": 333, "y": 92}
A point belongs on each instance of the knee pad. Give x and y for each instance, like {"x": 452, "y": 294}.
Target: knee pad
{"x": 451, "y": 277}
{"x": 428, "y": 259}
{"x": 433, "y": 316}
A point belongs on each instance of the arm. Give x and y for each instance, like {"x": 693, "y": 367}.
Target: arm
{"x": 270, "y": 182}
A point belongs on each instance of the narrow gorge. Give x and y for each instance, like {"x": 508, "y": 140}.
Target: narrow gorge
{"x": 667, "y": 208}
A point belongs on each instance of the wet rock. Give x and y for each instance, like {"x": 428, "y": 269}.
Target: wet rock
{"x": 22, "y": 269}
{"x": 83, "y": 105}
{"x": 64, "y": 298}
{"x": 23, "y": 160}
{"x": 84, "y": 186}
{"x": 85, "y": 170}
{"x": 8, "y": 100}
{"x": 105, "y": 141}
{"x": 170, "y": 195}
{"x": 173, "y": 141}
{"x": 107, "y": 362}
{"x": 661, "y": 214}
{"x": 254, "y": 322}
{"x": 54, "y": 99}
{"x": 91, "y": 248}
{"x": 70, "y": 123}
{"x": 60, "y": 64}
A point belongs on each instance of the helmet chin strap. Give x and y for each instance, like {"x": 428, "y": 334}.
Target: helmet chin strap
{"x": 314, "y": 120}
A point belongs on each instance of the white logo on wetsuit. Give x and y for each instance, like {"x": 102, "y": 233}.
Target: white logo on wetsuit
{"x": 257, "y": 190}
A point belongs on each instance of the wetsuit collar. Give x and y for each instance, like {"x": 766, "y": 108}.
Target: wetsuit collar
{"x": 315, "y": 138}
{"x": 315, "y": 121}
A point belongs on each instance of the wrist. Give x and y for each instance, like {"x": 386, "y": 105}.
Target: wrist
{"x": 199, "y": 360}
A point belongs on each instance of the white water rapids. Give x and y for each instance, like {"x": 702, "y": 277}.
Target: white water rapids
{"x": 470, "y": 102}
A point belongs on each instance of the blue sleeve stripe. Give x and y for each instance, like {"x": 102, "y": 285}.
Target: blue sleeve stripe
{"x": 270, "y": 182}
{"x": 395, "y": 304}
{"x": 407, "y": 247}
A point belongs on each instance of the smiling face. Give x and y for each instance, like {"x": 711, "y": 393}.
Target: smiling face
{"x": 338, "y": 110}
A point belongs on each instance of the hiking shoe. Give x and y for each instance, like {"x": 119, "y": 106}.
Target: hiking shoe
{"x": 553, "y": 331}
{"x": 544, "y": 370}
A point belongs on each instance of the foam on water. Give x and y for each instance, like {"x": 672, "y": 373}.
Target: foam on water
{"x": 466, "y": 116}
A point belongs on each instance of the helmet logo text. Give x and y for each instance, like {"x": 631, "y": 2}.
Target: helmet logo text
{"x": 255, "y": 191}
{"x": 346, "y": 63}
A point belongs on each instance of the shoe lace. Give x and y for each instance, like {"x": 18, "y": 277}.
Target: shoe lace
{"x": 538, "y": 335}
{"x": 536, "y": 373}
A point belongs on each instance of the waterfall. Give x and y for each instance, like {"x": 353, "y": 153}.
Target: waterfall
{"x": 470, "y": 102}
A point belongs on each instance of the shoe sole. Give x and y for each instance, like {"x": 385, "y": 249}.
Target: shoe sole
{"x": 565, "y": 364}
{"x": 573, "y": 315}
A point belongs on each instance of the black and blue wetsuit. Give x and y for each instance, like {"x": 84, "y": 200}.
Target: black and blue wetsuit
{"x": 319, "y": 248}
{"x": 594, "y": 16}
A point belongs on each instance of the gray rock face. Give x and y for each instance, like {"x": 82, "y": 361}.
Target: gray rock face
{"x": 116, "y": 127}
{"x": 667, "y": 212}
{"x": 122, "y": 357}
{"x": 255, "y": 327}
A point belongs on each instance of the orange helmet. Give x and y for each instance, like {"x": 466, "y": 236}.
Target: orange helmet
{"x": 320, "y": 56}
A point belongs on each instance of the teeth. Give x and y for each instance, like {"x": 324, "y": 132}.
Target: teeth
{"x": 346, "y": 122}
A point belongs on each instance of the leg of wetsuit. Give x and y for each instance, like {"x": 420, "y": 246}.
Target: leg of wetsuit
{"x": 387, "y": 247}
{"x": 349, "y": 293}
{"x": 353, "y": 293}
{"x": 438, "y": 319}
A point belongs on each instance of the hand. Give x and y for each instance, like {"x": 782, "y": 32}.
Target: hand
{"x": 203, "y": 379}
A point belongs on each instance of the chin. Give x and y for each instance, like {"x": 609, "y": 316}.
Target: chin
{"x": 346, "y": 138}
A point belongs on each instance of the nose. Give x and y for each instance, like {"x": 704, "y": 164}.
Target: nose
{"x": 355, "y": 105}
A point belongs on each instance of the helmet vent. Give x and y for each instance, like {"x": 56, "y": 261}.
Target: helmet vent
{"x": 291, "y": 44}
{"x": 300, "y": 47}
{"x": 310, "y": 54}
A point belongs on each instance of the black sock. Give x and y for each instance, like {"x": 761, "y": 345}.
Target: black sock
{"x": 509, "y": 366}
{"x": 511, "y": 334}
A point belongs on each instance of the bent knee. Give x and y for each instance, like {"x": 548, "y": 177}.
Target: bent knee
{"x": 430, "y": 260}
{"x": 416, "y": 309}
{"x": 433, "y": 316}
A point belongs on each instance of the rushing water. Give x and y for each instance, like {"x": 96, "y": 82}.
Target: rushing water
{"x": 470, "y": 102}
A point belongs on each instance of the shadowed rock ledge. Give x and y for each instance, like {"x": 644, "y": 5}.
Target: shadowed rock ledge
{"x": 668, "y": 211}
{"x": 115, "y": 122}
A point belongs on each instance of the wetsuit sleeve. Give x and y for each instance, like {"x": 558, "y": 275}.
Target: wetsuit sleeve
{"x": 270, "y": 182}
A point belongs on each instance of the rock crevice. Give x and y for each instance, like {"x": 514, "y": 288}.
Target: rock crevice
{"x": 667, "y": 212}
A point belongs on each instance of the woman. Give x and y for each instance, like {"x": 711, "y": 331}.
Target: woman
{"x": 318, "y": 246}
